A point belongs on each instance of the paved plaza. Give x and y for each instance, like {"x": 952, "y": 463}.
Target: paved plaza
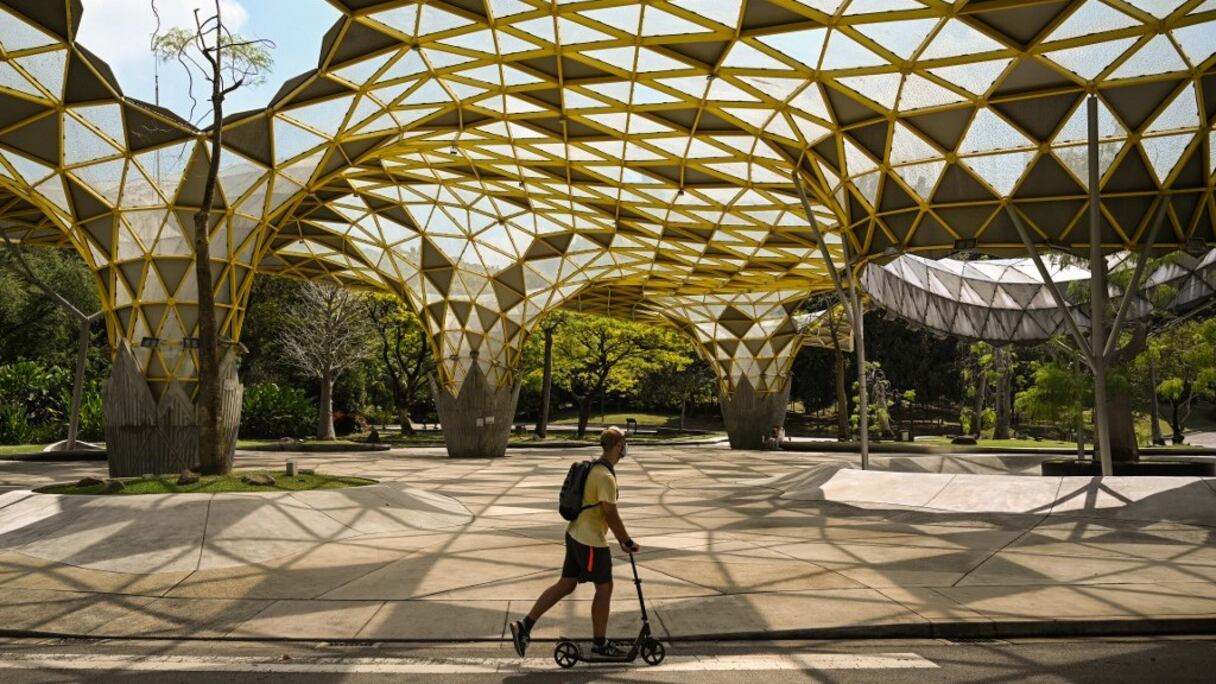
{"x": 735, "y": 543}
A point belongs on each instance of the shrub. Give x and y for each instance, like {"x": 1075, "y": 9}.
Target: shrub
{"x": 349, "y": 422}
{"x": 36, "y": 388}
{"x": 269, "y": 410}
{"x": 92, "y": 415}
{"x": 31, "y": 402}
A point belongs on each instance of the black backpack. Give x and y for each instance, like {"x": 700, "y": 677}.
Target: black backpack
{"x": 570, "y": 502}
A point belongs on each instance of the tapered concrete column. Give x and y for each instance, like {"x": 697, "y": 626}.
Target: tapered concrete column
{"x": 151, "y": 423}
{"x": 477, "y": 420}
{"x": 750, "y": 415}
{"x": 750, "y": 340}
{"x": 149, "y": 435}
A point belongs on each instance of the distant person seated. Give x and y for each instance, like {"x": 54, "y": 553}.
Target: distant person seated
{"x": 775, "y": 437}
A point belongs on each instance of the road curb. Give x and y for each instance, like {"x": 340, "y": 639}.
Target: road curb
{"x": 56, "y": 456}
{"x": 961, "y": 630}
{"x": 977, "y": 629}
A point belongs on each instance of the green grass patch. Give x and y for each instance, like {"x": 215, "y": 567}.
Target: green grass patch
{"x": 213, "y": 484}
{"x": 593, "y": 437}
{"x": 253, "y": 443}
{"x": 399, "y": 439}
{"x": 1004, "y": 443}
{"x": 618, "y": 419}
{"x": 10, "y": 449}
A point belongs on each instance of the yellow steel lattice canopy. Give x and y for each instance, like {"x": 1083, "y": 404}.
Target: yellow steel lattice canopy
{"x": 489, "y": 160}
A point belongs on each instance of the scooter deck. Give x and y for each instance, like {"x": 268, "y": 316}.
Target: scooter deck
{"x": 586, "y": 655}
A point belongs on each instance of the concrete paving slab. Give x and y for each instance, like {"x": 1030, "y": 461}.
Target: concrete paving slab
{"x": 63, "y": 611}
{"x": 385, "y": 508}
{"x": 754, "y": 576}
{"x": 1179, "y": 499}
{"x": 1136, "y": 600}
{"x": 933, "y": 547}
{"x": 29, "y": 518}
{"x": 876, "y": 487}
{"x": 932, "y": 605}
{"x": 448, "y": 620}
{"x": 572, "y": 619}
{"x": 1017, "y": 568}
{"x": 756, "y": 613}
{"x": 997, "y": 494}
{"x": 426, "y": 574}
{"x": 122, "y": 534}
{"x": 305, "y": 575}
{"x": 254, "y": 528}
{"x": 21, "y": 572}
{"x": 875, "y": 565}
{"x": 178, "y": 617}
{"x": 309, "y": 620}
{"x": 9, "y": 498}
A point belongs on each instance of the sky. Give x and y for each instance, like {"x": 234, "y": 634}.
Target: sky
{"x": 119, "y": 31}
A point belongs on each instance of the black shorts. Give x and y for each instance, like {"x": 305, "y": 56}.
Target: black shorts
{"x": 587, "y": 563}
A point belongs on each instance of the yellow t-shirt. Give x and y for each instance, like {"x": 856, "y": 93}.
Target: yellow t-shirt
{"x": 591, "y": 527}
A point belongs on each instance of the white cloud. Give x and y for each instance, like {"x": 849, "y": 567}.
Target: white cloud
{"x": 120, "y": 31}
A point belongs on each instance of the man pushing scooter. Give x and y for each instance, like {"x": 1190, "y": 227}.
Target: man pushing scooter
{"x": 588, "y": 500}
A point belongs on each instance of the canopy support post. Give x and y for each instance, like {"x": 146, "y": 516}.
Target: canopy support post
{"x": 851, "y": 303}
{"x": 1098, "y": 296}
{"x": 1112, "y": 340}
{"x": 1054, "y": 289}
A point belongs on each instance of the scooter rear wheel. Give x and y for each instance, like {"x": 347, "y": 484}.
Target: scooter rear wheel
{"x": 653, "y": 651}
{"x": 565, "y": 654}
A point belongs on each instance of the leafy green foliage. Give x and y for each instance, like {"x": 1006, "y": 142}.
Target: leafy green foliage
{"x": 271, "y": 410}
{"x": 915, "y": 359}
{"x": 1060, "y": 395}
{"x": 813, "y": 375}
{"x": 594, "y": 356}
{"x": 402, "y": 359}
{"x": 1183, "y": 358}
{"x": 242, "y": 61}
{"x": 32, "y": 402}
{"x": 32, "y": 326}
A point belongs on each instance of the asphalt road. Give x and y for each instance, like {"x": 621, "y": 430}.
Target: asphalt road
{"x": 1180, "y": 659}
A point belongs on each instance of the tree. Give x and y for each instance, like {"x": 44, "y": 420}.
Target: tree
{"x": 547, "y": 328}
{"x": 915, "y": 359}
{"x": 403, "y": 350}
{"x": 681, "y": 384}
{"x": 975, "y": 373}
{"x": 1186, "y": 361}
{"x": 1059, "y": 394}
{"x": 83, "y": 320}
{"x": 837, "y": 327}
{"x": 1001, "y": 373}
{"x": 882, "y": 397}
{"x": 325, "y": 334}
{"x": 595, "y": 354}
{"x": 226, "y": 61}
{"x": 809, "y": 372}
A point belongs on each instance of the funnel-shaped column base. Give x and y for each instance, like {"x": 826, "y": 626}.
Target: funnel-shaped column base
{"x": 146, "y": 435}
{"x": 477, "y": 421}
{"x": 750, "y": 415}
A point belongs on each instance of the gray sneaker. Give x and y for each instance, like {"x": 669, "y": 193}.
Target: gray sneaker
{"x": 521, "y": 636}
{"x": 609, "y": 649}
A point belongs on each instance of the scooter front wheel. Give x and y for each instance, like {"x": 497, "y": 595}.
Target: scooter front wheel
{"x": 653, "y": 651}
{"x": 565, "y": 654}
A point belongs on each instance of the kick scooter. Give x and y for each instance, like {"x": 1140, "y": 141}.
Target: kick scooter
{"x": 568, "y": 652}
